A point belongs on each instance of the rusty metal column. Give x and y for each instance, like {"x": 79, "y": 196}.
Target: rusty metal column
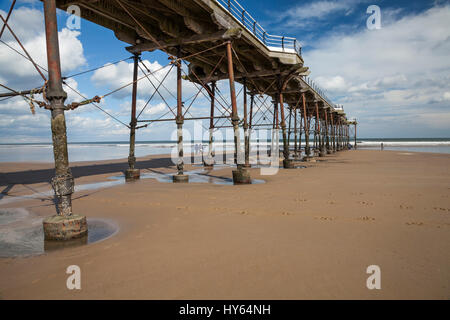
{"x": 132, "y": 173}
{"x": 64, "y": 225}
{"x": 240, "y": 175}
{"x": 295, "y": 135}
{"x": 333, "y": 141}
{"x": 287, "y": 164}
{"x": 246, "y": 131}
{"x": 300, "y": 131}
{"x": 250, "y": 124}
{"x": 180, "y": 176}
{"x": 306, "y": 125}
{"x": 327, "y": 132}
{"x": 289, "y": 128}
{"x": 319, "y": 131}
{"x": 339, "y": 134}
{"x": 355, "y": 134}
{"x": 210, "y": 159}
{"x": 348, "y": 134}
{"x": 274, "y": 140}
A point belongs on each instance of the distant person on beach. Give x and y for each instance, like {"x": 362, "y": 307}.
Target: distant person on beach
{"x": 382, "y": 146}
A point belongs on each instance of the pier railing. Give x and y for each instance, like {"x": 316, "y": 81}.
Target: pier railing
{"x": 272, "y": 42}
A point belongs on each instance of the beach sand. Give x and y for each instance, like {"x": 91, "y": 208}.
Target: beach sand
{"x": 304, "y": 234}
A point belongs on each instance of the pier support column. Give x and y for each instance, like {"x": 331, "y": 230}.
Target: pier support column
{"x": 132, "y": 174}
{"x": 327, "y": 132}
{"x": 300, "y": 134}
{"x": 180, "y": 176}
{"x": 347, "y": 135}
{"x": 295, "y": 135}
{"x": 240, "y": 175}
{"x": 252, "y": 101}
{"x": 339, "y": 135}
{"x": 246, "y": 131}
{"x": 322, "y": 151}
{"x": 333, "y": 133}
{"x": 287, "y": 163}
{"x": 355, "y": 134}
{"x": 209, "y": 161}
{"x": 306, "y": 125}
{"x": 64, "y": 225}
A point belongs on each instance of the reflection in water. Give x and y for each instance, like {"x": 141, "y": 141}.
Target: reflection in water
{"x": 24, "y": 236}
{"x": 195, "y": 176}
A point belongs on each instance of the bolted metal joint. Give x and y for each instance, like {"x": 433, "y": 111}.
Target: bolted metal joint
{"x": 179, "y": 119}
{"x": 63, "y": 185}
{"x": 133, "y": 122}
{"x": 55, "y": 94}
{"x": 235, "y": 120}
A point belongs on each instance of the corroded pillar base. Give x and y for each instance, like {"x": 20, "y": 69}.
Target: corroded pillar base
{"x": 180, "y": 178}
{"x": 309, "y": 159}
{"x": 241, "y": 176}
{"x": 322, "y": 152}
{"x": 288, "y": 164}
{"x": 208, "y": 166}
{"x": 245, "y": 165}
{"x": 65, "y": 227}
{"x": 132, "y": 174}
{"x": 329, "y": 151}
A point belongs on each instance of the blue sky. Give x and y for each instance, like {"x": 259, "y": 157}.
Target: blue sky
{"x": 394, "y": 80}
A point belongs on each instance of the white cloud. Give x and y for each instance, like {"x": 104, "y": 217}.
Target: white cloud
{"x": 305, "y": 15}
{"x": 19, "y": 74}
{"x": 115, "y": 76}
{"x": 336, "y": 83}
{"x": 403, "y": 64}
{"x": 28, "y": 24}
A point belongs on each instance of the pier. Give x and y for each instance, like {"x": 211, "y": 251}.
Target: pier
{"x": 216, "y": 40}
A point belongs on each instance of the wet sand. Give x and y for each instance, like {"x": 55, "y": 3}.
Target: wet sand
{"x": 304, "y": 234}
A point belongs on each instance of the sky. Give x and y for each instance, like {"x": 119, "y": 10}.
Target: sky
{"x": 394, "y": 80}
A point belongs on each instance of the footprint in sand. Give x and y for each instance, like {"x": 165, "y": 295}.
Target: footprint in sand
{"x": 244, "y": 212}
{"x": 325, "y": 218}
{"x": 300, "y": 200}
{"x": 405, "y": 206}
{"x": 441, "y": 209}
{"x": 366, "y": 218}
{"x": 414, "y": 223}
{"x": 366, "y": 203}
{"x": 285, "y": 213}
{"x": 331, "y": 202}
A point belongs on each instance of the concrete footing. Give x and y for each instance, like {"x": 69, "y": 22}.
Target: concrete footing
{"x": 241, "y": 176}
{"x": 65, "y": 227}
{"x": 132, "y": 174}
{"x": 180, "y": 178}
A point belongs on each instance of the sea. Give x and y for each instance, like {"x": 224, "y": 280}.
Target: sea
{"x": 94, "y": 151}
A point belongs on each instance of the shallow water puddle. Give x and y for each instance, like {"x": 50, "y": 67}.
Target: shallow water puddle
{"x": 195, "y": 176}
{"x": 22, "y": 234}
